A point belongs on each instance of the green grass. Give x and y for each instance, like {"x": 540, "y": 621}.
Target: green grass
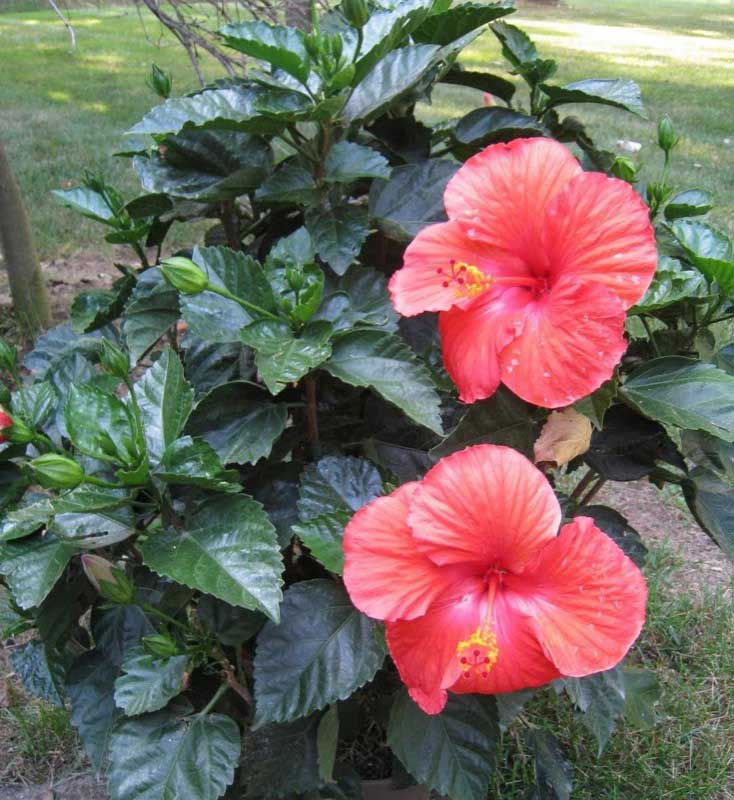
{"x": 689, "y": 755}
{"x": 65, "y": 111}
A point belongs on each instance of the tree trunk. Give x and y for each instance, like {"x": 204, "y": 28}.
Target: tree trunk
{"x": 298, "y": 14}
{"x": 27, "y": 287}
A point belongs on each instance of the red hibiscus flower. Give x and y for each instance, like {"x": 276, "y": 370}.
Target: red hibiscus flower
{"x": 532, "y": 274}
{"x": 5, "y": 422}
{"x": 479, "y": 590}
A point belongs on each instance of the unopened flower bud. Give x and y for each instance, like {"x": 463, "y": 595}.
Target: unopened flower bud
{"x": 184, "y": 275}
{"x": 312, "y": 41}
{"x": 114, "y": 359}
{"x": 625, "y": 169}
{"x": 666, "y": 134}
{"x": 160, "y": 81}
{"x": 356, "y": 12}
{"x": 57, "y": 472}
{"x": 158, "y": 644}
{"x": 110, "y": 581}
{"x": 8, "y": 356}
{"x": 17, "y": 431}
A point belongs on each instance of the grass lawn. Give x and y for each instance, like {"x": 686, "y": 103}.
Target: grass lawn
{"x": 65, "y": 111}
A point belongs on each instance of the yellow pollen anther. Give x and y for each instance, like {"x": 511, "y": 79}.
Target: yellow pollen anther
{"x": 467, "y": 280}
{"x": 478, "y": 654}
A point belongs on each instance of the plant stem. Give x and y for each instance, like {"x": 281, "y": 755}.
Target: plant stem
{"x": 312, "y": 419}
{"x": 170, "y": 620}
{"x": 222, "y": 292}
{"x": 210, "y": 705}
{"x": 653, "y": 343}
{"x": 582, "y": 485}
{"x": 99, "y": 482}
{"x": 592, "y": 492}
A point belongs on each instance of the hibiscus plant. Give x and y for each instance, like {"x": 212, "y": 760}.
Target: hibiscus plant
{"x": 269, "y": 504}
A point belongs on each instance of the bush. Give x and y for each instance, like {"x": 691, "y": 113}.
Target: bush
{"x": 182, "y": 458}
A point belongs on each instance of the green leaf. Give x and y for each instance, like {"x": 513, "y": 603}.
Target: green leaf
{"x": 685, "y": 393}
{"x": 600, "y": 698}
{"x": 553, "y": 770}
{"x": 338, "y": 234}
{"x": 708, "y": 451}
{"x": 711, "y": 501}
{"x": 209, "y": 365}
{"x": 327, "y": 738}
{"x": 642, "y": 692}
{"x": 282, "y": 759}
{"x": 485, "y": 126}
{"x": 517, "y": 46}
{"x": 93, "y": 713}
{"x": 708, "y": 249}
{"x": 87, "y": 499}
{"x": 165, "y": 399}
{"x": 35, "y": 403}
{"x": 31, "y": 567}
{"x": 193, "y": 462}
{"x": 88, "y": 203}
{"x": 100, "y": 528}
{"x": 394, "y": 75}
{"x": 289, "y": 184}
{"x": 324, "y": 650}
{"x": 691, "y": 203}
{"x": 165, "y": 755}
{"x": 596, "y": 405}
{"x": 117, "y": 631}
{"x": 282, "y": 357}
{"x": 12, "y": 483}
{"x": 483, "y": 81}
{"x": 411, "y": 199}
{"x": 337, "y": 484}
{"x": 34, "y": 512}
{"x": 453, "y": 752}
{"x": 349, "y": 161}
{"x": 323, "y": 536}
{"x": 218, "y": 319}
{"x": 239, "y": 422}
{"x": 618, "y": 529}
{"x": 231, "y": 625}
{"x": 205, "y": 165}
{"x": 100, "y": 425}
{"x": 359, "y": 298}
{"x": 617, "y": 92}
{"x": 284, "y": 48}
{"x": 382, "y": 362}
{"x": 93, "y": 309}
{"x": 152, "y": 309}
{"x": 229, "y": 549}
{"x": 502, "y": 419}
{"x": 672, "y": 284}
{"x": 239, "y": 107}
{"x": 147, "y": 683}
{"x": 450, "y": 25}
{"x": 41, "y": 670}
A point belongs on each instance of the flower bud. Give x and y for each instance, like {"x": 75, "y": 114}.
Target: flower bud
{"x": 6, "y": 421}
{"x": 57, "y": 472}
{"x": 184, "y": 275}
{"x": 342, "y": 78}
{"x": 110, "y": 581}
{"x": 666, "y": 134}
{"x": 312, "y": 41}
{"x": 18, "y": 432}
{"x": 158, "y": 644}
{"x": 114, "y": 359}
{"x": 625, "y": 169}
{"x": 160, "y": 81}
{"x": 8, "y": 356}
{"x": 356, "y": 12}
{"x": 336, "y": 46}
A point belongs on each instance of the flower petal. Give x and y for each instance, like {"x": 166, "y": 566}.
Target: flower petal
{"x": 586, "y": 598}
{"x": 598, "y": 229}
{"x": 521, "y": 662}
{"x": 419, "y": 285}
{"x": 379, "y": 547}
{"x": 503, "y": 192}
{"x": 472, "y": 338}
{"x": 424, "y": 649}
{"x": 487, "y": 506}
{"x": 572, "y": 339}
